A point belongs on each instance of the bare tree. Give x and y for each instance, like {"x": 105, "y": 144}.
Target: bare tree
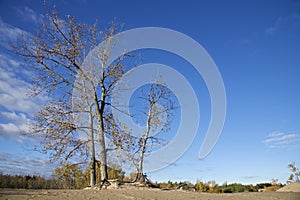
{"x": 159, "y": 108}
{"x": 56, "y": 53}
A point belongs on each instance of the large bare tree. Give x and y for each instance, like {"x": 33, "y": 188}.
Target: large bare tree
{"x": 56, "y": 53}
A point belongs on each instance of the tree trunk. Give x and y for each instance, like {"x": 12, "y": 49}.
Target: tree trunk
{"x": 100, "y": 112}
{"x": 103, "y": 163}
{"x": 93, "y": 159}
{"x": 140, "y": 175}
{"x": 93, "y": 173}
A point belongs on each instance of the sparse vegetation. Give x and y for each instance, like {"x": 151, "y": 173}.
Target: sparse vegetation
{"x": 295, "y": 175}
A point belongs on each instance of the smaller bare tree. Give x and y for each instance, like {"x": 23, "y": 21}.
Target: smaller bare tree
{"x": 159, "y": 104}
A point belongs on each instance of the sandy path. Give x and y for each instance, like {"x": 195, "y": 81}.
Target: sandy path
{"x": 149, "y": 194}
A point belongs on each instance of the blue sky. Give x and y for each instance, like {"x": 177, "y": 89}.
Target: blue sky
{"x": 255, "y": 45}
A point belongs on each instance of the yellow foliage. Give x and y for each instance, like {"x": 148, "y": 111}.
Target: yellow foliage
{"x": 272, "y": 188}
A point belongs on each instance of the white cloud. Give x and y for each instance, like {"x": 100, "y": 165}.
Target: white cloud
{"x": 275, "y": 134}
{"x": 17, "y": 106}
{"x": 15, "y": 164}
{"x": 282, "y": 140}
{"x": 14, "y": 89}
{"x": 14, "y": 126}
{"x": 17, "y": 123}
{"x": 9, "y": 33}
{"x": 28, "y": 14}
{"x": 271, "y": 30}
{"x": 291, "y": 20}
{"x": 275, "y": 27}
{"x": 250, "y": 177}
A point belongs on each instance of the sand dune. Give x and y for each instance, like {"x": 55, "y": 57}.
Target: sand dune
{"x": 293, "y": 187}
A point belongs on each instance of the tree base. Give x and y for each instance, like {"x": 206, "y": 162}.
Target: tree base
{"x": 104, "y": 183}
{"x": 142, "y": 179}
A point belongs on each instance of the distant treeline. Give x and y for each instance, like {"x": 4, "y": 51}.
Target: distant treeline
{"x": 38, "y": 182}
{"x": 213, "y": 187}
{"x": 76, "y": 177}
{"x": 65, "y": 177}
{"x": 28, "y": 182}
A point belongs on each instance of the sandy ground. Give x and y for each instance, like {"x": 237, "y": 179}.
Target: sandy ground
{"x": 141, "y": 193}
{"x": 293, "y": 187}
